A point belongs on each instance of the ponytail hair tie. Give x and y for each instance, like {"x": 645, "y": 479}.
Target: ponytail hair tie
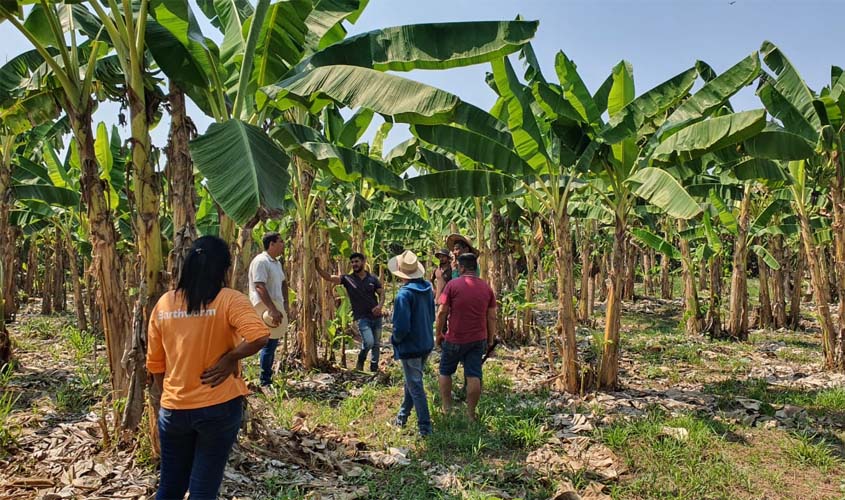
{"x": 198, "y": 251}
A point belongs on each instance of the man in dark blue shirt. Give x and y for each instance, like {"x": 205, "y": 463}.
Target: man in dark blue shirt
{"x": 367, "y": 298}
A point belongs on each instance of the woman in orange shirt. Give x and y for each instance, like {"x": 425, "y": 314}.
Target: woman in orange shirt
{"x": 198, "y": 334}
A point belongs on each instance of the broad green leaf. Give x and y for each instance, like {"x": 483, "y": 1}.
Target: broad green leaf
{"x": 726, "y": 216}
{"x": 324, "y": 21}
{"x": 759, "y": 168}
{"x": 602, "y": 95}
{"x": 245, "y": 169}
{"x": 482, "y": 122}
{"x": 659, "y": 188}
{"x": 789, "y": 83}
{"x": 527, "y": 138}
{"x": 555, "y": 106}
{"x": 32, "y": 110}
{"x": 778, "y": 144}
{"x": 622, "y": 90}
{"x": 712, "y": 237}
{"x": 436, "y": 160}
{"x": 574, "y": 89}
{"x": 763, "y": 220}
{"x": 55, "y": 169}
{"x": 711, "y": 96}
{"x": 710, "y": 135}
{"x": 767, "y": 257}
{"x": 476, "y": 147}
{"x": 281, "y": 41}
{"x": 782, "y": 109}
{"x": 177, "y": 44}
{"x": 649, "y": 107}
{"x": 656, "y": 242}
{"x": 17, "y": 74}
{"x": 102, "y": 149}
{"x": 53, "y": 195}
{"x": 461, "y": 184}
{"x": 348, "y": 165}
{"x": 377, "y": 145}
{"x": 355, "y": 127}
{"x": 405, "y": 100}
{"x": 427, "y": 46}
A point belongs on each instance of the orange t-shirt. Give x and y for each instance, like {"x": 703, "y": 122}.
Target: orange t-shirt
{"x": 182, "y": 346}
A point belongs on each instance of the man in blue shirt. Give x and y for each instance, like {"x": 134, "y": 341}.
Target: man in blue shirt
{"x": 412, "y": 339}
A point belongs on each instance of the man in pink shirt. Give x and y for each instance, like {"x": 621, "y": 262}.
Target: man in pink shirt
{"x": 470, "y": 306}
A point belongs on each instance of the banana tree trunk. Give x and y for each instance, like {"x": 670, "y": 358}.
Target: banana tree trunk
{"x": 665, "y": 280}
{"x": 648, "y": 282}
{"x": 795, "y": 288}
{"x": 480, "y": 242}
{"x": 692, "y": 314}
{"x": 568, "y": 378}
{"x": 838, "y": 336}
{"x": 703, "y": 276}
{"x": 49, "y": 279}
{"x": 241, "y": 260}
{"x": 7, "y": 246}
{"x": 307, "y": 334}
{"x": 584, "y": 310}
{"x": 609, "y": 369}
{"x": 58, "y": 269}
{"x": 494, "y": 269}
{"x": 5, "y": 341}
{"x": 106, "y": 261}
{"x": 714, "y": 311}
{"x": 31, "y": 267}
{"x": 778, "y": 284}
{"x": 630, "y": 269}
{"x": 180, "y": 176}
{"x": 76, "y": 280}
{"x": 738, "y": 318}
{"x": 601, "y": 279}
{"x": 765, "y": 317}
{"x": 820, "y": 290}
{"x": 147, "y": 191}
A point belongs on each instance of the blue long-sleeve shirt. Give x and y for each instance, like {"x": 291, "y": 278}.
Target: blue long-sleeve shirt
{"x": 413, "y": 320}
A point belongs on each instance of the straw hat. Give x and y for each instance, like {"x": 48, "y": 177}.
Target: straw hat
{"x": 406, "y": 266}
{"x": 450, "y": 242}
{"x": 276, "y": 331}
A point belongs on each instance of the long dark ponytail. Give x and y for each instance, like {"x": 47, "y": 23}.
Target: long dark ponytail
{"x": 204, "y": 272}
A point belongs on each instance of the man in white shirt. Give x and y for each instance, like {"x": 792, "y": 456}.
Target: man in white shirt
{"x": 268, "y": 291}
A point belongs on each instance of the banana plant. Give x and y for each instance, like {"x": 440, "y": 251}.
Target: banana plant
{"x": 810, "y": 136}
{"x": 65, "y": 69}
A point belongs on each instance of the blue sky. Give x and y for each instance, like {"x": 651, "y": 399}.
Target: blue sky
{"x": 659, "y": 37}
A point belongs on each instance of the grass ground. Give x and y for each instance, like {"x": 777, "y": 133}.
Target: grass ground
{"x": 696, "y": 419}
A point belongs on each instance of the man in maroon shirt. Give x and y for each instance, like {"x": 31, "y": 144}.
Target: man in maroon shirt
{"x": 470, "y": 306}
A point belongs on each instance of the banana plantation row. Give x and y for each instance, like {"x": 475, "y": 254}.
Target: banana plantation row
{"x": 555, "y": 181}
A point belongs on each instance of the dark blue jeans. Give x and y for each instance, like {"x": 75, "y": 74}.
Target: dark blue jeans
{"x": 370, "y": 330}
{"x": 195, "y": 446}
{"x": 415, "y": 395}
{"x": 266, "y": 358}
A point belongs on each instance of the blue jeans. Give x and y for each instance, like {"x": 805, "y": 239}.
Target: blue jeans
{"x": 469, "y": 355}
{"x": 414, "y": 395}
{"x": 195, "y": 446}
{"x": 266, "y": 358}
{"x": 370, "y": 330}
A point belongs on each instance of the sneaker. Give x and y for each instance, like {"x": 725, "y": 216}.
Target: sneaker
{"x": 373, "y": 367}
{"x": 359, "y": 365}
{"x": 398, "y": 422}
